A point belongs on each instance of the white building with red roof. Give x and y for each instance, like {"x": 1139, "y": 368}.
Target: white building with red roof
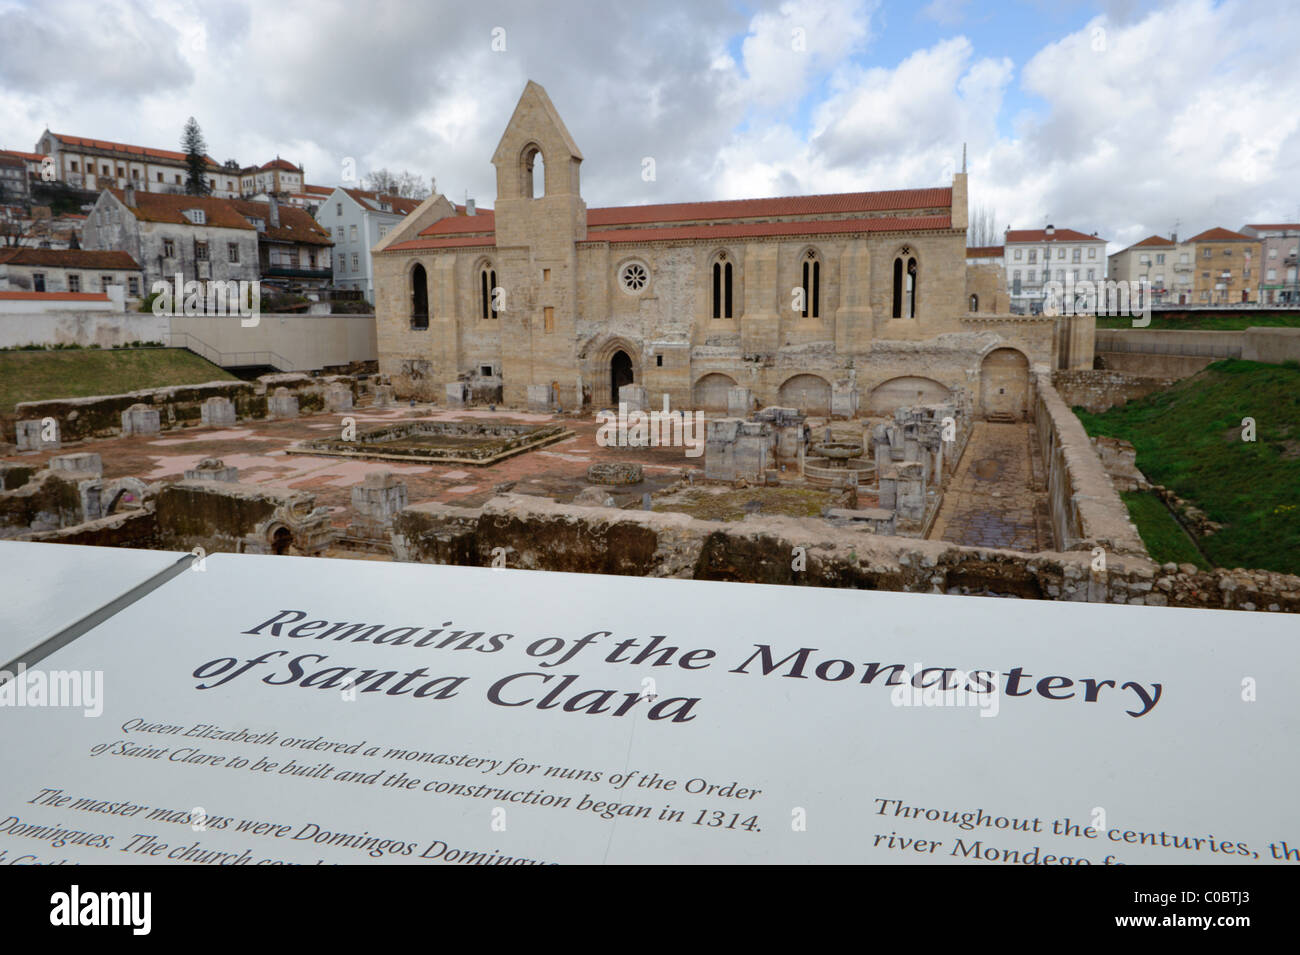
{"x": 856, "y": 300}
{"x": 1034, "y": 257}
{"x": 95, "y": 164}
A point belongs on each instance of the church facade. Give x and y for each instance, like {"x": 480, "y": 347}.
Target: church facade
{"x": 862, "y": 297}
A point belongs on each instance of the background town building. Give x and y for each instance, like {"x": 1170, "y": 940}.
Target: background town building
{"x": 358, "y": 220}
{"x": 1225, "y": 267}
{"x": 95, "y": 164}
{"x": 1034, "y": 257}
{"x": 69, "y": 270}
{"x": 1279, "y": 282}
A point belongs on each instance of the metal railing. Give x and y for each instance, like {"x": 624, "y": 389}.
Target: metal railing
{"x": 239, "y": 359}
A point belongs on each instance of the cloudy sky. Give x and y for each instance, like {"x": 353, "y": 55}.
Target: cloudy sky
{"x": 1124, "y": 118}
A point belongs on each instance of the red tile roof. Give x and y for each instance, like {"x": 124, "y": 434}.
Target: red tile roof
{"x": 371, "y": 200}
{"x": 54, "y": 296}
{"x": 30, "y": 157}
{"x": 139, "y": 151}
{"x": 1275, "y": 225}
{"x": 725, "y": 230}
{"x": 1152, "y": 240}
{"x": 1040, "y": 235}
{"x": 317, "y": 190}
{"x": 1218, "y": 234}
{"x": 167, "y": 207}
{"x": 278, "y": 163}
{"x": 295, "y": 224}
{"x": 69, "y": 258}
{"x": 983, "y": 251}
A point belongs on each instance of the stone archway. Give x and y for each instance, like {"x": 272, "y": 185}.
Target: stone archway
{"x": 1004, "y": 385}
{"x": 598, "y": 368}
{"x": 281, "y": 540}
{"x": 811, "y": 394}
{"x": 621, "y": 372}
{"x": 906, "y": 391}
{"x": 711, "y": 393}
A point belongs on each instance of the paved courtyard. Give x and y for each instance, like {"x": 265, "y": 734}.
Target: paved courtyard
{"x": 257, "y": 449}
{"x": 991, "y": 501}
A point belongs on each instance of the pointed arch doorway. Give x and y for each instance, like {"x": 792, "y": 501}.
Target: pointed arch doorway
{"x": 620, "y": 373}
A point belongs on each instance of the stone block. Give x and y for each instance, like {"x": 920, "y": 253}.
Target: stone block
{"x": 740, "y": 402}
{"x": 141, "y": 419}
{"x": 844, "y": 401}
{"x": 615, "y": 473}
{"x": 212, "y": 469}
{"x": 217, "y": 412}
{"x": 376, "y": 501}
{"x": 282, "y": 404}
{"x": 84, "y": 464}
{"x": 634, "y": 396}
{"x": 384, "y": 396}
{"x": 457, "y": 394}
{"x": 541, "y": 399}
{"x": 31, "y": 435}
{"x": 338, "y": 397}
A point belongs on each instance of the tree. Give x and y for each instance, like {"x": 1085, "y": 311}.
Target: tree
{"x": 983, "y": 228}
{"x": 196, "y": 159}
{"x": 406, "y": 185}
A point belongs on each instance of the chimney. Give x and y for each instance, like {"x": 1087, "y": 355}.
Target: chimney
{"x": 1173, "y": 237}
{"x": 273, "y": 217}
{"x": 1051, "y": 229}
{"x": 129, "y": 193}
{"x": 469, "y": 207}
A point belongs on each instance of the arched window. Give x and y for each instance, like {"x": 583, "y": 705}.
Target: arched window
{"x": 905, "y": 278}
{"x": 974, "y": 303}
{"x": 419, "y": 297}
{"x": 487, "y": 280}
{"x": 812, "y": 285}
{"x": 722, "y": 287}
{"x": 532, "y": 173}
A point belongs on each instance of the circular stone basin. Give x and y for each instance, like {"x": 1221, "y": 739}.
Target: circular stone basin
{"x": 614, "y": 473}
{"x": 838, "y": 453}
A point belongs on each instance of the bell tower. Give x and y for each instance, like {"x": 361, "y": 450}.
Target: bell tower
{"x": 539, "y": 219}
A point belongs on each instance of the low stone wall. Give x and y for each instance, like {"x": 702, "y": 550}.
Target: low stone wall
{"x": 1085, "y": 510}
{"x": 177, "y": 405}
{"x": 533, "y": 533}
{"x": 1098, "y": 390}
{"x": 46, "y": 501}
{"x": 240, "y": 518}
{"x": 1274, "y": 345}
{"x": 1153, "y": 366}
{"x": 136, "y": 529}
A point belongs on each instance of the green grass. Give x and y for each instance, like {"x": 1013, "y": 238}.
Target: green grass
{"x": 1165, "y": 538}
{"x": 1188, "y": 438}
{"x": 1192, "y": 321}
{"x": 76, "y": 373}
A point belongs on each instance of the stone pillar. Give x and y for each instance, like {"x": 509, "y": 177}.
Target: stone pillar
{"x": 881, "y": 447}
{"x": 911, "y": 491}
{"x": 282, "y": 404}
{"x": 338, "y": 397}
{"x": 217, "y": 412}
{"x": 844, "y": 401}
{"x": 740, "y": 402}
{"x": 30, "y": 436}
{"x": 457, "y": 393}
{"x": 141, "y": 419}
{"x": 888, "y": 476}
{"x": 384, "y": 396}
{"x": 212, "y": 469}
{"x": 634, "y": 396}
{"x": 541, "y": 398}
{"x": 376, "y": 501}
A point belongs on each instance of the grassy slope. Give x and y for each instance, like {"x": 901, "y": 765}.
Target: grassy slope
{"x": 1188, "y": 439}
{"x": 74, "y": 373}
{"x": 1164, "y": 537}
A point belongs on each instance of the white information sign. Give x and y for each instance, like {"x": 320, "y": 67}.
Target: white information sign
{"x": 273, "y": 710}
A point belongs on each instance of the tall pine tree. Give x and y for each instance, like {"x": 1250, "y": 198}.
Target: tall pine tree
{"x": 196, "y": 161}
